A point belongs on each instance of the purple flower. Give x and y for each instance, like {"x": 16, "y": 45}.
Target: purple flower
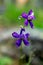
{"x": 28, "y": 18}
{"x": 21, "y": 37}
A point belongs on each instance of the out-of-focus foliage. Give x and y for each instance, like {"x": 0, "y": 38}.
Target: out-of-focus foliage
{"x": 5, "y": 61}
{"x": 11, "y": 18}
{"x": 12, "y": 15}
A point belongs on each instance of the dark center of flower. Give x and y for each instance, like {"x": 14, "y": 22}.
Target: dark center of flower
{"x": 29, "y": 20}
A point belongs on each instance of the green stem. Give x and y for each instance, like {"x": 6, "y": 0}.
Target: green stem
{"x": 29, "y": 61}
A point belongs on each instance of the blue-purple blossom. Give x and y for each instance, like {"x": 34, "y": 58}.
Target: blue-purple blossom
{"x": 21, "y": 37}
{"x": 28, "y": 18}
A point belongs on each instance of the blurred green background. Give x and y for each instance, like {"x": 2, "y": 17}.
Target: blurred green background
{"x": 12, "y": 11}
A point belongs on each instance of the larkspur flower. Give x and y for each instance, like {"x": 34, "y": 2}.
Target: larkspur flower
{"x": 21, "y": 37}
{"x": 28, "y": 18}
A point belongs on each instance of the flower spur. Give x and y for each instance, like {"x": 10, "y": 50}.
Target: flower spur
{"x": 21, "y": 37}
{"x": 28, "y": 18}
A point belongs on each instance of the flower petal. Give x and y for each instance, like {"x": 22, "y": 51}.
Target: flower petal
{"x": 16, "y": 35}
{"x": 24, "y": 15}
{"x": 30, "y": 12}
{"x": 31, "y": 24}
{"x": 18, "y": 42}
{"x": 31, "y": 17}
{"x": 26, "y": 22}
{"x": 22, "y": 29}
{"x": 27, "y": 35}
{"x": 26, "y": 42}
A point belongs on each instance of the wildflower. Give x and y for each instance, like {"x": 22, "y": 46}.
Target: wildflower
{"x": 28, "y": 18}
{"x": 21, "y": 37}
